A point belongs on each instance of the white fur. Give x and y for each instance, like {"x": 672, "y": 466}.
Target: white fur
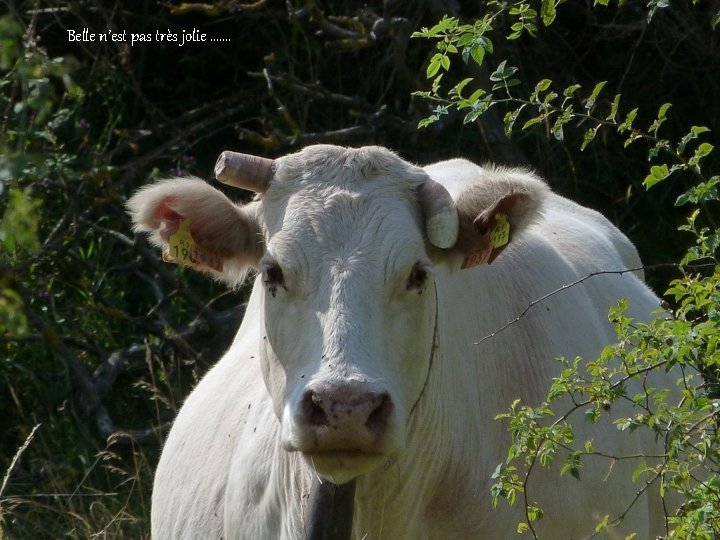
{"x": 345, "y": 226}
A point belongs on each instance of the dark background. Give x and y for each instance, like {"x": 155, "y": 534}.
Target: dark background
{"x": 115, "y": 338}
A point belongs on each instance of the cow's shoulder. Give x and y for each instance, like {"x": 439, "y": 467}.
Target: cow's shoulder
{"x": 586, "y": 237}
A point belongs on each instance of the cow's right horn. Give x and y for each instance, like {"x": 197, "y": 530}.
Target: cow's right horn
{"x": 441, "y": 217}
{"x": 244, "y": 171}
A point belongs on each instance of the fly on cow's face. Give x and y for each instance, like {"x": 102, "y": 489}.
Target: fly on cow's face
{"x": 273, "y": 278}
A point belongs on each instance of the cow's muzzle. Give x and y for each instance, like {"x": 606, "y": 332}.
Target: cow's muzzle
{"x": 346, "y": 418}
{"x": 344, "y": 429}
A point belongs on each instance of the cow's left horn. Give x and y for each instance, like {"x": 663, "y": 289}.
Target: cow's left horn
{"x": 441, "y": 217}
{"x": 244, "y": 171}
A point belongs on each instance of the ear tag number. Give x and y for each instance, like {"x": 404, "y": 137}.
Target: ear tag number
{"x": 181, "y": 244}
{"x": 490, "y": 245}
{"x": 182, "y": 249}
{"x": 501, "y": 233}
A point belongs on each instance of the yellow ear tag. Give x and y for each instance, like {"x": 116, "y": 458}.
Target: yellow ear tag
{"x": 181, "y": 246}
{"x": 182, "y": 249}
{"x": 501, "y": 233}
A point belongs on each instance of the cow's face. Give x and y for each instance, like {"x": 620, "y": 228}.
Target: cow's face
{"x": 349, "y": 306}
{"x": 340, "y": 238}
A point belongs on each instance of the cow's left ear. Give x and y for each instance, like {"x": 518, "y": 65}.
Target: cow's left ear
{"x": 495, "y": 209}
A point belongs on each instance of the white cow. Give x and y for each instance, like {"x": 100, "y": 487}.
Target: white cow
{"x": 357, "y": 357}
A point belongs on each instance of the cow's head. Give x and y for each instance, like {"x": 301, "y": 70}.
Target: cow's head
{"x": 345, "y": 241}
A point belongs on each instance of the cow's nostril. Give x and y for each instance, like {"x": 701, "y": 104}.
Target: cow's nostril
{"x": 378, "y": 419}
{"x": 353, "y": 414}
{"x": 313, "y": 411}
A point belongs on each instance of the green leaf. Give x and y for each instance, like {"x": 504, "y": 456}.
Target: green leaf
{"x": 661, "y": 117}
{"x": 478, "y": 54}
{"x": 628, "y": 122}
{"x": 477, "y": 94}
{"x": 433, "y": 67}
{"x": 497, "y": 74}
{"x": 658, "y": 173}
{"x": 700, "y": 153}
{"x": 503, "y": 72}
{"x": 445, "y": 62}
{"x": 547, "y": 11}
{"x": 509, "y": 121}
{"x": 534, "y": 513}
{"x": 662, "y": 112}
{"x": 589, "y": 136}
{"x": 590, "y": 103}
{"x": 425, "y": 122}
{"x": 683, "y": 199}
{"x": 541, "y": 86}
{"x": 532, "y": 122}
{"x": 487, "y": 44}
{"x": 436, "y": 84}
{"x": 613, "y": 108}
{"x": 469, "y": 41}
{"x": 570, "y": 90}
{"x": 458, "y": 88}
{"x": 704, "y": 149}
{"x": 465, "y": 39}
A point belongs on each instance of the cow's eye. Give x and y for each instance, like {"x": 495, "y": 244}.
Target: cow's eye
{"x": 418, "y": 278}
{"x": 273, "y": 278}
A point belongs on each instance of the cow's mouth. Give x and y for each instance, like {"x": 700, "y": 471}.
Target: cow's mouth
{"x": 341, "y": 466}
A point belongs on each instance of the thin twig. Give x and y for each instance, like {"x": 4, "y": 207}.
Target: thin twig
{"x": 578, "y": 282}
{"x": 553, "y": 293}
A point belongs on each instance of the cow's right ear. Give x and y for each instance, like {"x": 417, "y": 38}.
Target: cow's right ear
{"x": 494, "y": 210}
{"x": 195, "y": 224}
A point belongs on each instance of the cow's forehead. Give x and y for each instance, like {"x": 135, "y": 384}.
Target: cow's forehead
{"x": 333, "y": 167}
{"x": 338, "y": 201}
